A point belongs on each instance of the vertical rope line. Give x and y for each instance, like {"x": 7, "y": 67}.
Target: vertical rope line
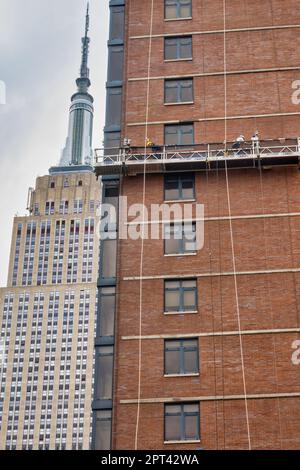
{"x": 213, "y": 311}
{"x": 221, "y": 310}
{"x": 231, "y": 233}
{"x": 143, "y": 233}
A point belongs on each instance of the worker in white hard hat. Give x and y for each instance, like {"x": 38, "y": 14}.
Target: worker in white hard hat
{"x": 238, "y": 142}
{"x": 255, "y": 142}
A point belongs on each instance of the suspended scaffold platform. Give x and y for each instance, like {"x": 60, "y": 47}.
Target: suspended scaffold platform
{"x": 156, "y": 159}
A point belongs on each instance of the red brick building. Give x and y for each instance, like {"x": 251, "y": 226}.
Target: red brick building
{"x": 194, "y": 347}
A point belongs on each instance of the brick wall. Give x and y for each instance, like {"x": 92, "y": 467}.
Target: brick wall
{"x": 266, "y": 302}
{"x": 265, "y": 234}
{"x": 264, "y": 44}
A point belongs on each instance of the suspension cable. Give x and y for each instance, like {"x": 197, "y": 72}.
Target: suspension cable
{"x": 212, "y": 309}
{"x": 231, "y": 232}
{"x": 221, "y": 310}
{"x": 143, "y": 232}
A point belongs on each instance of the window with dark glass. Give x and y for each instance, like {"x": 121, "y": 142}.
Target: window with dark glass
{"x": 111, "y": 195}
{"x": 116, "y": 30}
{"x": 181, "y": 357}
{"x": 36, "y": 209}
{"x": 182, "y": 422}
{"x": 105, "y": 373}
{"x": 64, "y": 207}
{"x": 179, "y": 47}
{"x": 111, "y": 143}
{"x": 179, "y": 134}
{"x": 114, "y": 106}
{"x": 107, "y": 309}
{"x": 49, "y": 208}
{"x": 179, "y": 186}
{"x": 178, "y": 9}
{"x": 112, "y": 140}
{"x": 115, "y": 63}
{"x": 181, "y": 295}
{"x": 103, "y": 430}
{"x": 180, "y": 238}
{"x": 109, "y": 259}
{"x": 179, "y": 91}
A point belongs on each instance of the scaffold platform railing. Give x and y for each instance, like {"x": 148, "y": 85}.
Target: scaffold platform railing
{"x": 157, "y": 159}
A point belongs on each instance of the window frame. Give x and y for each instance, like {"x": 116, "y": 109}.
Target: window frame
{"x": 78, "y": 206}
{"x": 115, "y": 64}
{"x": 182, "y": 416}
{"x": 182, "y": 291}
{"x": 106, "y": 293}
{"x": 182, "y": 349}
{"x": 112, "y": 142}
{"x": 114, "y": 108}
{"x": 109, "y": 264}
{"x": 49, "y": 207}
{"x": 180, "y": 85}
{"x": 64, "y": 207}
{"x": 107, "y": 418}
{"x": 182, "y": 241}
{"x": 178, "y": 40}
{"x": 178, "y": 4}
{"x": 180, "y": 133}
{"x": 116, "y": 24}
{"x": 104, "y": 352}
{"x": 181, "y": 177}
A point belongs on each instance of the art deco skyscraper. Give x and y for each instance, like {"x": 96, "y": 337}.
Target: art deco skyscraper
{"x": 47, "y": 310}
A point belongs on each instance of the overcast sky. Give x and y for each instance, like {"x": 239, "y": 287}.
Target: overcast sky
{"x": 40, "y": 45}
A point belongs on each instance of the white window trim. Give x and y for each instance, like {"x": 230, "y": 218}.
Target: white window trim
{"x": 193, "y": 312}
{"x": 195, "y": 374}
{"x": 178, "y": 19}
{"x": 171, "y": 201}
{"x": 185, "y": 59}
{"x": 179, "y": 103}
{"x": 180, "y": 254}
{"x": 182, "y": 442}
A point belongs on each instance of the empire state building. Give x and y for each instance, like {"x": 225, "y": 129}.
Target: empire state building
{"x": 47, "y": 310}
